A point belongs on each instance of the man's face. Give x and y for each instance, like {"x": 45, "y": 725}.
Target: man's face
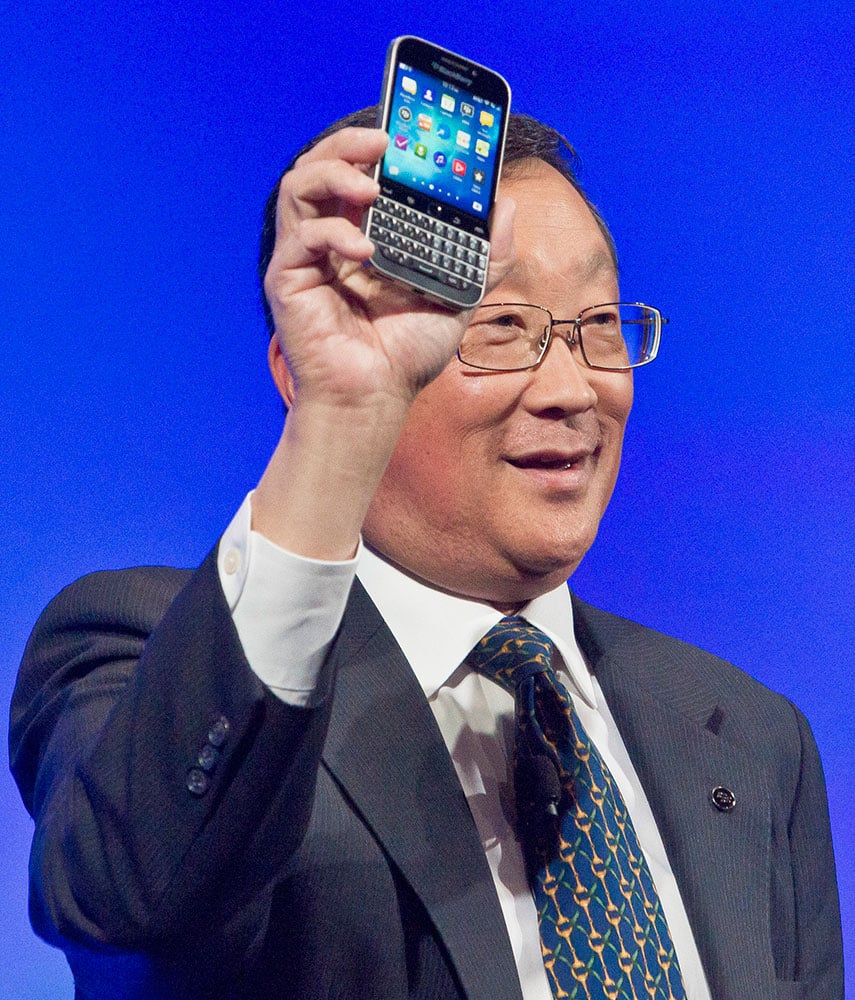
{"x": 499, "y": 480}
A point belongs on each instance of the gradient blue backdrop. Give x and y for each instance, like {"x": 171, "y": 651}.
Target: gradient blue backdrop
{"x": 137, "y": 144}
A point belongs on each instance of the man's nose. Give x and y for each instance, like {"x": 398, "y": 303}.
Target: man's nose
{"x": 562, "y": 380}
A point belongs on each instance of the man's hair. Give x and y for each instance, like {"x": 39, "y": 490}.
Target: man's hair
{"x": 527, "y": 140}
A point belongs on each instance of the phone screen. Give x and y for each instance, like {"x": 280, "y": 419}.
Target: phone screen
{"x": 443, "y": 140}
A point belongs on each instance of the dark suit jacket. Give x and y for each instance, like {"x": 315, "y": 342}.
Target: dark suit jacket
{"x": 331, "y": 852}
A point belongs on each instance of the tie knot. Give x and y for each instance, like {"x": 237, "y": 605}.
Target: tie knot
{"x": 512, "y": 651}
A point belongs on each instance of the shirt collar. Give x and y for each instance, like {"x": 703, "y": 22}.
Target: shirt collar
{"x": 437, "y": 630}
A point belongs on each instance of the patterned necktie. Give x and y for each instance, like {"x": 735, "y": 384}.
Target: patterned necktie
{"x": 603, "y": 933}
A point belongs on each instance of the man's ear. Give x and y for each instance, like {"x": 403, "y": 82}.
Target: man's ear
{"x": 280, "y": 371}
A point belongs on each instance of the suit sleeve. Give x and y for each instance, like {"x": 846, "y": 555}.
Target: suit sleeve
{"x": 818, "y": 957}
{"x": 169, "y": 787}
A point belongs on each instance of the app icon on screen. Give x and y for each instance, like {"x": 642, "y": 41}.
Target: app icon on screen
{"x": 425, "y": 122}
{"x": 405, "y": 114}
{"x": 467, "y": 110}
{"x": 443, "y": 131}
{"x": 420, "y": 150}
{"x": 464, "y": 139}
{"x": 478, "y": 176}
{"x": 458, "y": 167}
{"x": 482, "y": 147}
{"x": 428, "y": 95}
{"x": 401, "y": 141}
{"x": 447, "y": 102}
{"x": 440, "y": 159}
{"x": 486, "y": 117}
{"x": 409, "y": 85}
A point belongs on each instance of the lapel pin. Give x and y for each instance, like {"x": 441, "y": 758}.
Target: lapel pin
{"x": 723, "y": 799}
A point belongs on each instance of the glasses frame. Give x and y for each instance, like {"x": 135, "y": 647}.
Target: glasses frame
{"x": 575, "y": 337}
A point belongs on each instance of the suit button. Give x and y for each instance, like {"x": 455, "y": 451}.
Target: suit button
{"x": 219, "y": 732}
{"x": 723, "y": 799}
{"x": 197, "y": 781}
{"x": 208, "y": 757}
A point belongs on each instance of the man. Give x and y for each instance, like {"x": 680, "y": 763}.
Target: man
{"x": 264, "y": 779}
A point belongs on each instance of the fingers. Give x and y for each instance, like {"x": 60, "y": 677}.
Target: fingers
{"x": 501, "y": 240}
{"x": 321, "y": 201}
{"x": 316, "y": 252}
{"x": 314, "y": 240}
{"x": 323, "y": 188}
{"x": 354, "y": 145}
{"x": 331, "y": 178}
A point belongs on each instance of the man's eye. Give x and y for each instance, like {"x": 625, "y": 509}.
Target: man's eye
{"x": 506, "y": 320}
{"x": 498, "y": 328}
{"x": 605, "y": 326}
{"x": 602, "y": 319}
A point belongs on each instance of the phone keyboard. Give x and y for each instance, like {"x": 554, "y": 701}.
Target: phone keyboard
{"x": 428, "y": 246}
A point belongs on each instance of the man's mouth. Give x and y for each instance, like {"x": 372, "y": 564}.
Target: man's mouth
{"x": 550, "y": 461}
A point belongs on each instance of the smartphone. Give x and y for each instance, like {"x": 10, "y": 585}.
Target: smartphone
{"x": 446, "y": 118}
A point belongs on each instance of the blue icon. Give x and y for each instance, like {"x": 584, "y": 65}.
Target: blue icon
{"x": 443, "y": 131}
{"x": 440, "y": 159}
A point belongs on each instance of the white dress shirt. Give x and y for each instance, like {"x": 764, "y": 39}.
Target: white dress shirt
{"x": 286, "y": 610}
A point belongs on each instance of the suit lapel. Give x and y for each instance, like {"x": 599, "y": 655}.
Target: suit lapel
{"x": 385, "y": 751}
{"x": 675, "y": 732}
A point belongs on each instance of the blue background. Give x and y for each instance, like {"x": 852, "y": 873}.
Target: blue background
{"x": 137, "y": 145}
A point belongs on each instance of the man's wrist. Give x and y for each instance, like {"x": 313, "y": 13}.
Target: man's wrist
{"x": 341, "y": 456}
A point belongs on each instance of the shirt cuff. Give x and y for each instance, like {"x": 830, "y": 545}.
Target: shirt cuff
{"x": 286, "y": 609}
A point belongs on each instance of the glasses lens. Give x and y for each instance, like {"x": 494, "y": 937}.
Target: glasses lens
{"x": 619, "y": 335}
{"x": 505, "y": 337}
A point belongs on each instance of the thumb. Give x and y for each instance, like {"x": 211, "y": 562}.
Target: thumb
{"x": 502, "y": 253}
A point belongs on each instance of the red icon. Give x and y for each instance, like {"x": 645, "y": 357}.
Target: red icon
{"x": 458, "y": 167}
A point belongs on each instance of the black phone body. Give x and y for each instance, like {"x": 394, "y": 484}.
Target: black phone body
{"x": 446, "y": 118}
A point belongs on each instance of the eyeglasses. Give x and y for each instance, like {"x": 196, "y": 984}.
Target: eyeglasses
{"x": 514, "y": 336}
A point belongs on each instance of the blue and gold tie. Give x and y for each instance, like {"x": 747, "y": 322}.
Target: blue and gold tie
{"x": 603, "y": 933}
